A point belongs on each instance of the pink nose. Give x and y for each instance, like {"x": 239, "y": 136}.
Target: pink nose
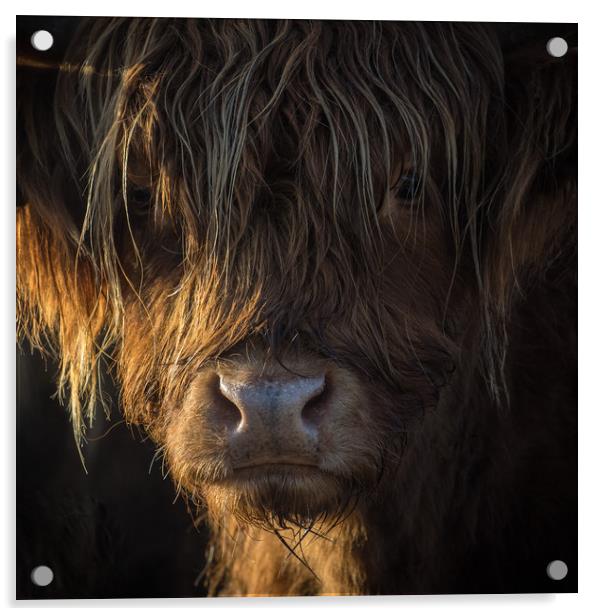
{"x": 275, "y": 404}
{"x": 271, "y": 420}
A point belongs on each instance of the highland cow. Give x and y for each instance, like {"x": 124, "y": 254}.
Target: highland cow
{"x": 331, "y": 267}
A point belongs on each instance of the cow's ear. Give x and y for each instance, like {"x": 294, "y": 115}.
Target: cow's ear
{"x": 533, "y": 217}
{"x": 531, "y": 221}
{"x": 61, "y": 306}
{"x": 536, "y": 216}
{"x": 39, "y": 157}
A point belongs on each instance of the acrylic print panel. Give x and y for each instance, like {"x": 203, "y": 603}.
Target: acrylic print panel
{"x": 307, "y": 291}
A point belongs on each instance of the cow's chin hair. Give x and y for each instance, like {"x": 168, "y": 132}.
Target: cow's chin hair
{"x": 277, "y": 497}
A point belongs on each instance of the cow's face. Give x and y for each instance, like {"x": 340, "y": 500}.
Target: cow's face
{"x": 282, "y": 387}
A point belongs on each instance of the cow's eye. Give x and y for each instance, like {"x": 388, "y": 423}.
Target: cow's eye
{"x": 139, "y": 196}
{"x": 407, "y": 187}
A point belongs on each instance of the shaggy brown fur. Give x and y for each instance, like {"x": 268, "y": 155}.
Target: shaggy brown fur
{"x": 392, "y": 202}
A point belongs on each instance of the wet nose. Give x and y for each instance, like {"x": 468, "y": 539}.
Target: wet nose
{"x": 279, "y": 405}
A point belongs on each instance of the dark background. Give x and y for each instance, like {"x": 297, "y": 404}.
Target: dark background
{"x": 114, "y": 532}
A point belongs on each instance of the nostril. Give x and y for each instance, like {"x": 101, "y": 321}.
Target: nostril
{"x": 229, "y": 413}
{"x": 314, "y": 409}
